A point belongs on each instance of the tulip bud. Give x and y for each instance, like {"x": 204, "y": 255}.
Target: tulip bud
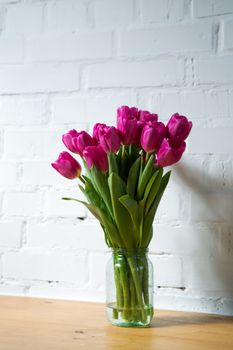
{"x": 98, "y": 130}
{"x": 168, "y": 155}
{"x": 178, "y": 128}
{"x": 67, "y": 166}
{"x": 95, "y": 155}
{"x": 67, "y": 140}
{"x": 152, "y": 136}
{"x": 77, "y": 141}
{"x": 110, "y": 140}
{"x": 128, "y": 112}
{"x": 82, "y": 141}
{"x": 146, "y": 117}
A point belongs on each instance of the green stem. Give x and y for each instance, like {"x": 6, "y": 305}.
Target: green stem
{"x": 147, "y": 156}
{"x": 82, "y": 179}
{"x": 136, "y": 279}
{"x": 145, "y": 281}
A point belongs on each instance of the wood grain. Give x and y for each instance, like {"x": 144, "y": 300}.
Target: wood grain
{"x": 44, "y": 324}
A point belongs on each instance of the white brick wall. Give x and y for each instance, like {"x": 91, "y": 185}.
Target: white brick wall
{"x": 70, "y": 63}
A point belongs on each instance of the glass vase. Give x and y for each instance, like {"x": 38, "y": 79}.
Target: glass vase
{"x": 129, "y": 288}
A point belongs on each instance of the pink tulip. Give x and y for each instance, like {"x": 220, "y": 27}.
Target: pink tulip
{"x": 137, "y": 139}
{"x": 127, "y": 124}
{"x": 128, "y": 112}
{"x": 67, "y": 140}
{"x": 152, "y": 136}
{"x": 95, "y": 155}
{"x": 98, "y": 130}
{"x": 67, "y": 166}
{"x": 146, "y": 116}
{"x": 82, "y": 141}
{"x": 110, "y": 140}
{"x": 178, "y": 128}
{"x": 77, "y": 141}
{"x": 168, "y": 155}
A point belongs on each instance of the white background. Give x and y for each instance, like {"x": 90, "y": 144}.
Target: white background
{"x": 70, "y": 63}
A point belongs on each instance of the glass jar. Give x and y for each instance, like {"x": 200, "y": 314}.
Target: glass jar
{"x": 129, "y": 288}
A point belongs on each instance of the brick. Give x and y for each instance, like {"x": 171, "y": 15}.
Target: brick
{"x": 8, "y": 174}
{"x": 23, "y": 111}
{"x": 98, "y": 265}
{"x": 164, "y": 40}
{"x": 231, "y": 102}
{"x": 41, "y": 173}
{"x": 89, "y": 108}
{"x": 55, "y": 206}
{"x": 10, "y": 234}
{"x": 66, "y": 16}
{"x": 167, "y": 271}
{"x": 211, "y": 140}
{"x": 33, "y": 143}
{"x": 184, "y": 240}
{"x": 161, "y": 10}
{"x": 108, "y": 13}
{"x": 105, "y": 105}
{"x": 215, "y": 70}
{"x": 16, "y": 15}
{"x": 45, "y": 267}
{"x": 208, "y": 274}
{"x": 228, "y": 38}
{"x": 83, "y": 236}
{"x": 70, "y": 47}
{"x": 12, "y": 49}
{"x": 11, "y": 288}
{"x": 68, "y": 109}
{"x": 216, "y": 104}
{"x": 212, "y": 7}
{"x": 211, "y": 207}
{"x": 1, "y": 200}
{"x": 66, "y": 293}
{"x": 214, "y": 173}
{"x": 22, "y": 204}
{"x": 196, "y": 105}
{"x": 165, "y": 72}
{"x": 171, "y": 207}
{"x": 227, "y": 308}
{"x": 42, "y": 77}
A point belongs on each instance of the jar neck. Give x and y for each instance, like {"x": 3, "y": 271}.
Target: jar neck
{"x": 129, "y": 251}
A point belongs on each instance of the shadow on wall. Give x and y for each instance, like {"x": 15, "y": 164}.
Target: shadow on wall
{"x": 210, "y": 183}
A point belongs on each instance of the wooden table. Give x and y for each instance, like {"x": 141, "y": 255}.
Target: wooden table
{"x": 43, "y": 324}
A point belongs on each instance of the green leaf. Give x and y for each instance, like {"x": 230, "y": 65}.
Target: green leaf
{"x": 112, "y": 163}
{"x": 148, "y": 188}
{"x": 154, "y": 189}
{"x": 101, "y": 186}
{"x": 133, "y": 178}
{"x": 133, "y": 208}
{"x": 149, "y": 218}
{"x": 123, "y": 220}
{"x": 145, "y": 176}
{"x": 110, "y": 228}
{"x": 92, "y": 196}
{"x": 92, "y": 208}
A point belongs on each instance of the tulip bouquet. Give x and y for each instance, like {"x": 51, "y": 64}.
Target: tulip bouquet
{"x": 123, "y": 184}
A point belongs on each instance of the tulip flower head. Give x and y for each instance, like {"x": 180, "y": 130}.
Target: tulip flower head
{"x": 127, "y": 124}
{"x": 178, "y": 128}
{"x": 146, "y": 116}
{"x": 77, "y": 141}
{"x": 67, "y": 166}
{"x": 67, "y": 140}
{"x": 168, "y": 155}
{"x": 152, "y": 136}
{"x": 95, "y": 155}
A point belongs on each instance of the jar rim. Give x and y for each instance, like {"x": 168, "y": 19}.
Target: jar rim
{"x": 129, "y": 250}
